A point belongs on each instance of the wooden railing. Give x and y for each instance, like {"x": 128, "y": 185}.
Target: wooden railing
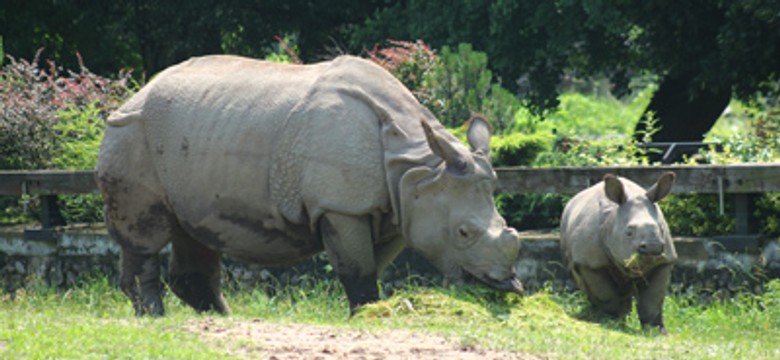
{"x": 47, "y": 184}
{"x": 745, "y": 181}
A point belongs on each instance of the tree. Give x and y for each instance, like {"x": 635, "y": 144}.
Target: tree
{"x": 703, "y": 51}
{"x": 92, "y": 27}
{"x": 154, "y": 34}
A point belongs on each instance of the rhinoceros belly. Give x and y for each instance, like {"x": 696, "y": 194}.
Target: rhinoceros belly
{"x": 245, "y": 232}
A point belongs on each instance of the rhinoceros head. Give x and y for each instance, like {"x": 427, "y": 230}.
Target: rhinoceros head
{"x": 449, "y": 214}
{"x": 635, "y": 233}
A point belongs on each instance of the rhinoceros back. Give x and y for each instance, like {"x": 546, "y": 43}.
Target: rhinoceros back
{"x": 242, "y": 146}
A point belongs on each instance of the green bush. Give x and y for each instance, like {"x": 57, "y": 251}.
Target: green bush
{"x": 582, "y": 131}
{"x": 453, "y": 85}
{"x": 518, "y": 148}
{"x": 53, "y": 119}
{"x": 79, "y": 131}
{"x": 698, "y": 214}
{"x": 411, "y": 62}
{"x": 768, "y": 210}
{"x": 463, "y": 85}
{"x": 750, "y": 133}
{"x": 592, "y": 131}
{"x": 532, "y": 211}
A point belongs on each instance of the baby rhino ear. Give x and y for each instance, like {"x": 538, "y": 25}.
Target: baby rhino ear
{"x": 614, "y": 190}
{"x": 662, "y": 187}
{"x": 479, "y": 135}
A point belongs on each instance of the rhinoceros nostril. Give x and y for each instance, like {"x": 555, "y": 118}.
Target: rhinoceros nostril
{"x": 651, "y": 248}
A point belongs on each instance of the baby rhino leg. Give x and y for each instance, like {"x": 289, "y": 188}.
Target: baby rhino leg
{"x": 602, "y": 291}
{"x": 651, "y": 297}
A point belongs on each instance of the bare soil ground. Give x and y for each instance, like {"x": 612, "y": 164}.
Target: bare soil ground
{"x": 256, "y": 339}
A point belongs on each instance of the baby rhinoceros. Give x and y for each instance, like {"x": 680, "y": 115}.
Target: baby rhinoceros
{"x": 617, "y": 246}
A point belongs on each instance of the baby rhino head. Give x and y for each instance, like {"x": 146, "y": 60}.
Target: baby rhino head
{"x": 637, "y": 236}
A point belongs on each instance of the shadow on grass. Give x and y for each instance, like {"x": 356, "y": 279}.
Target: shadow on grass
{"x": 576, "y": 306}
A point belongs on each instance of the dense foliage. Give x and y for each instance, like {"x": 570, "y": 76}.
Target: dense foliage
{"x": 52, "y": 118}
{"x": 150, "y": 35}
{"x": 700, "y": 50}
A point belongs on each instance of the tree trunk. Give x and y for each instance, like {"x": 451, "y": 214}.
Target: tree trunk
{"x": 682, "y": 117}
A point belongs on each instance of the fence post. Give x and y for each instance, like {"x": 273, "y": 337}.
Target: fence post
{"x": 745, "y": 206}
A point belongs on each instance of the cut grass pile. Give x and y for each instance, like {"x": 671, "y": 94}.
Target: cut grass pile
{"x": 96, "y": 321}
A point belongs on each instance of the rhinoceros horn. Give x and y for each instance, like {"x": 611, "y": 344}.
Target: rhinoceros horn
{"x": 445, "y": 149}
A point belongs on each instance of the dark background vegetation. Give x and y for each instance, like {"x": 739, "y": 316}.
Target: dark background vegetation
{"x": 702, "y": 51}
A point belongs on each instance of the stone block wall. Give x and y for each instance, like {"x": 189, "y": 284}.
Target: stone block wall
{"x": 66, "y": 257}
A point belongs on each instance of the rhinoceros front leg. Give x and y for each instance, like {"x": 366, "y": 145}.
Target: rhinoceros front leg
{"x": 384, "y": 254}
{"x": 350, "y": 249}
{"x": 139, "y": 279}
{"x": 602, "y": 291}
{"x": 650, "y": 301}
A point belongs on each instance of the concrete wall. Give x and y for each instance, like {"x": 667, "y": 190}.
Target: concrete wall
{"x": 63, "y": 258}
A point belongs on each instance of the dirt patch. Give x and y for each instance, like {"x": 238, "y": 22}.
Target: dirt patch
{"x": 258, "y": 339}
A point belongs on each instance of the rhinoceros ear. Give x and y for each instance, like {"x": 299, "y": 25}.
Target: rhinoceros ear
{"x": 662, "y": 187}
{"x": 444, "y": 149}
{"x": 613, "y": 187}
{"x": 479, "y": 135}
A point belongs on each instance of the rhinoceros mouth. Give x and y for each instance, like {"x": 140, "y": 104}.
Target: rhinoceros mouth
{"x": 512, "y": 284}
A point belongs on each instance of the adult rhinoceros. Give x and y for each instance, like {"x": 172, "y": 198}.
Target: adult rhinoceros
{"x": 272, "y": 163}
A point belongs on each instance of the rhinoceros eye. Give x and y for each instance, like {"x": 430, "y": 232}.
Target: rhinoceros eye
{"x": 630, "y": 232}
{"x": 463, "y": 232}
{"x": 468, "y": 234}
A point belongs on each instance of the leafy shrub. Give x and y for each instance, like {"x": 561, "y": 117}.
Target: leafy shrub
{"x": 463, "y": 85}
{"x": 582, "y": 131}
{"x": 697, "y": 214}
{"x": 52, "y": 119}
{"x": 532, "y": 211}
{"x": 756, "y": 138}
{"x": 285, "y": 50}
{"x": 79, "y": 131}
{"x": 768, "y": 207}
{"x": 599, "y": 118}
{"x": 453, "y": 85}
{"x": 410, "y": 62}
{"x": 32, "y": 97}
{"x": 517, "y": 148}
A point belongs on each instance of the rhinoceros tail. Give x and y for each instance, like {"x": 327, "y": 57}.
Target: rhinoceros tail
{"x": 122, "y": 118}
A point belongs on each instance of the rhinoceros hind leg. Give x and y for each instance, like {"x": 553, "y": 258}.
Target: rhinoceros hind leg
{"x": 195, "y": 275}
{"x": 139, "y": 279}
{"x": 350, "y": 249}
{"x": 603, "y": 292}
{"x": 651, "y": 296}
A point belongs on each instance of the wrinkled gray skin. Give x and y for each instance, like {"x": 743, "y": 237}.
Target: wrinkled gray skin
{"x": 601, "y": 228}
{"x": 272, "y": 163}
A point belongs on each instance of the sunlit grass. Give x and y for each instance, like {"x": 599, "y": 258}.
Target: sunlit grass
{"x": 96, "y": 321}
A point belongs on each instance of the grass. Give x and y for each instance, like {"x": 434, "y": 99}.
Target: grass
{"x": 96, "y": 321}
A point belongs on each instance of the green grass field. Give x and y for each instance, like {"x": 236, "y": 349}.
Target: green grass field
{"x": 96, "y": 321}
